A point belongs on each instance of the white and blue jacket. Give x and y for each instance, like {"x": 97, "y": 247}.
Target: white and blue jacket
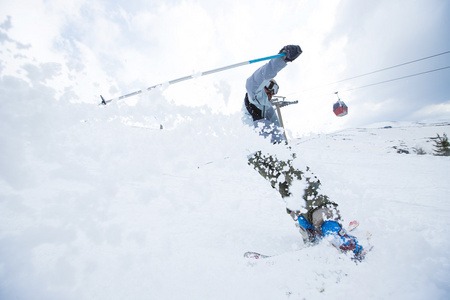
{"x": 257, "y": 109}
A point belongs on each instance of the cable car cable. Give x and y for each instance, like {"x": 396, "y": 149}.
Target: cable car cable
{"x": 384, "y": 69}
{"x": 377, "y": 83}
{"x": 399, "y": 78}
{"x": 380, "y": 70}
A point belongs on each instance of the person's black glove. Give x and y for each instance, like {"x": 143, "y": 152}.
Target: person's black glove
{"x": 292, "y": 52}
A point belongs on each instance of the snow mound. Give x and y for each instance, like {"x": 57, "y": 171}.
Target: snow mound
{"x": 156, "y": 201}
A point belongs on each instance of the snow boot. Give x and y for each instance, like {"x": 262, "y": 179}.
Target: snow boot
{"x": 310, "y": 235}
{"x": 339, "y": 238}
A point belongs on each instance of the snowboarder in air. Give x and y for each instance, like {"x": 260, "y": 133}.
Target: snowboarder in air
{"x": 317, "y": 216}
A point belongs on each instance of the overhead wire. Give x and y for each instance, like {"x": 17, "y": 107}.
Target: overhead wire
{"x": 396, "y": 66}
{"x": 394, "y": 79}
{"x": 384, "y": 69}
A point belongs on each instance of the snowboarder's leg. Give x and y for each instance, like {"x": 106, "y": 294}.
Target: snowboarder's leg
{"x": 310, "y": 235}
{"x": 334, "y": 232}
{"x": 311, "y": 231}
{"x": 322, "y": 214}
{"x": 280, "y": 173}
{"x": 320, "y": 209}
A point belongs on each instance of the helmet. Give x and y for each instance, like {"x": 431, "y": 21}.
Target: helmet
{"x": 272, "y": 85}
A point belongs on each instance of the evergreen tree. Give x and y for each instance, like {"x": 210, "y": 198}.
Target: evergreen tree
{"x": 441, "y": 145}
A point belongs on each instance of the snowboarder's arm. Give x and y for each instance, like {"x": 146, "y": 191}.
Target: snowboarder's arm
{"x": 266, "y": 72}
{"x": 255, "y": 82}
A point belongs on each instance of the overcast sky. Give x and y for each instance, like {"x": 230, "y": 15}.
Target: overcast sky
{"x": 87, "y": 48}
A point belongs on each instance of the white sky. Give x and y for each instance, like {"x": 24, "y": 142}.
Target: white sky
{"x": 87, "y": 48}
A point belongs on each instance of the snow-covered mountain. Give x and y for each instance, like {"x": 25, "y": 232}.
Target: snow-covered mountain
{"x": 99, "y": 202}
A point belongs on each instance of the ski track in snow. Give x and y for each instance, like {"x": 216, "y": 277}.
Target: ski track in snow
{"x": 99, "y": 203}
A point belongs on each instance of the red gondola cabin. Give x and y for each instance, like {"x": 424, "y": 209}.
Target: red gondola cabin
{"x": 340, "y": 109}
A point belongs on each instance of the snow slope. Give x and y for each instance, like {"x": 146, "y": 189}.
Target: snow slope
{"x": 100, "y": 203}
